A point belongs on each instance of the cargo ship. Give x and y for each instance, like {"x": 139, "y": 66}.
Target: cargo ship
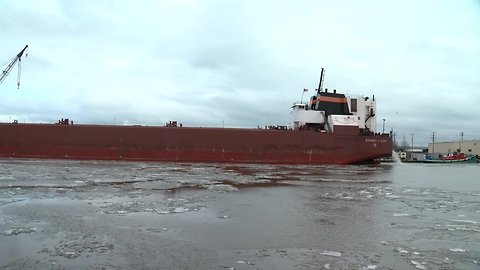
{"x": 330, "y": 128}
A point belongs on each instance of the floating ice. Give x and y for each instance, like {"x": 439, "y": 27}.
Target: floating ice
{"x": 384, "y": 242}
{"x": 331, "y": 253}
{"x": 418, "y": 265}
{"x": 372, "y": 266}
{"x": 457, "y": 250}
{"x": 222, "y": 188}
{"x": 465, "y": 221}
{"x": 401, "y": 215}
{"x": 391, "y": 196}
{"x": 70, "y": 254}
{"x": 16, "y": 231}
{"x": 245, "y": 262}
{"x": 180, "y": 210}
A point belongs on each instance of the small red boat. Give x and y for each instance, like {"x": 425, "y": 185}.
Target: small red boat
{"x": 451, "y": 158}
{"x": 460, "y": 156}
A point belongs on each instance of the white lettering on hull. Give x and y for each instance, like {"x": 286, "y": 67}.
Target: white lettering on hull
{"x": 376, "y": 140}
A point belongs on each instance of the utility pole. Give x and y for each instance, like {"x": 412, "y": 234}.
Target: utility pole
{"x": 411, "y": 149}
{"x": 460, "y": 142}
{"x": 433, "y": 142}
{"x": 383, "y": 126}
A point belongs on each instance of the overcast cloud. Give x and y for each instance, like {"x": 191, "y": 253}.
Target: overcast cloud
{"x": 242, "y": 63}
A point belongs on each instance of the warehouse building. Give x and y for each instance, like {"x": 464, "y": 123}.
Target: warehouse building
{"x": 466, "y": 147}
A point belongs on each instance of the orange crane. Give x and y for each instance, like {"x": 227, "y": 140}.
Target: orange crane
{"x": 17, "y": 58}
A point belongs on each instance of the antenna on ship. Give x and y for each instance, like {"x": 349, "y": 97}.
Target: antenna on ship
{"x": 320, "y": 84}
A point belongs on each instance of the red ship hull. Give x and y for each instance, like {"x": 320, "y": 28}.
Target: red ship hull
{"x": 182, "y": 144}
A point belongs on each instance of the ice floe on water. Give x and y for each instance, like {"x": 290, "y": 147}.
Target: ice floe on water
{"x": 401, "y": 215}
{"x": 180, "y": 209}
{"x": 419, "y": 265}
{"x": 72, "y": 245}
{"x": 457, "y": 250}
{"x": 245, "y": 262}
{"x": 402, "y": 251}
{"x": 222, "y": 188}
{"x": 175, "y": 205}
{"x": 19, "y": 230}
{"x": 465, "y": 221}
{"x": 331, "y": 253}
{"x": 389, "y": 195}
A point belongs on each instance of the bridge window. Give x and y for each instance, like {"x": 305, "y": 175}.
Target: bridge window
{"x": 353, "y": 104}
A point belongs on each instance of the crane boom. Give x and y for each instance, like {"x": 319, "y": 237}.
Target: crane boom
{"x": 17, "y": 58}
{"x": 320, "y": 84}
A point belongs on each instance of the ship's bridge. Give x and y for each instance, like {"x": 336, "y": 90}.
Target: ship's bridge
{"x": 365, "y": 109}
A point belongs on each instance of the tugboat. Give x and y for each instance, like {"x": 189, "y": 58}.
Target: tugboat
{"x": 452, "y": 158}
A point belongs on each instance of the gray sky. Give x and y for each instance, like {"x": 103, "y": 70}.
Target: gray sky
{"x": 242, "y": 63}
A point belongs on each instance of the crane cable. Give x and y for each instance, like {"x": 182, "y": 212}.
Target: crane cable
{"x": 20, "y": 69}
{"x": 19, "y": 72}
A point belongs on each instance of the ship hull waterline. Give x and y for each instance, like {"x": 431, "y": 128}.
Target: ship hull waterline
{"x": 182, "y": 144}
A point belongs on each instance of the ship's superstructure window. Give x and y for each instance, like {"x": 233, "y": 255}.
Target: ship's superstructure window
{"x": 353, "y": 105}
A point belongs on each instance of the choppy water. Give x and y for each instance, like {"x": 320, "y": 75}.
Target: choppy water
{"x": 119, "y": 215}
